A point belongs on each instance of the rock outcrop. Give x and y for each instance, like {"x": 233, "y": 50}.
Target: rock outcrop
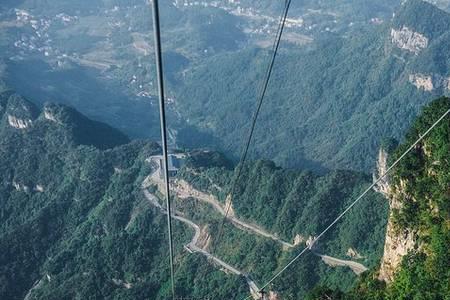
{"x": 422, "y": 82}
{"x": 298, "y": 239}
{"x": 39, "y": 188}
{"x": 19, "y": 123}
{"x": 20, "y": 187}
{"x": 49, "y": 115}
{"x": 396, "y": 246}
{"x": 398, "y": 242}
{"x": 383, "y": 186}
{"x": 406, "y": 39}
{"x": 352, "y": 253}
{"x": 429, "y": 82}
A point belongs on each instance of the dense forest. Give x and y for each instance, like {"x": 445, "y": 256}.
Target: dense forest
{"x": 291, "y": 203}
{"x": 421, "y": 184}
{"x": 73, "y": 221}
{"x": 75, "y": 224}
{"x": 339, "y": 87}
{"x": 330, "y": 103}
{"x": 75, "y": 218}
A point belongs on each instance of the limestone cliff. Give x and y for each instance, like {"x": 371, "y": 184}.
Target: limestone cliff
{"x": 18, "y": 122}
{"x": 417, "y": 191}
{"x": 397, "y": 245}
{"x": 383, "y": 186}
{"x": 398, "y": 242}
{"x": 406, "y": 39}
{"x": 430, "y": 82}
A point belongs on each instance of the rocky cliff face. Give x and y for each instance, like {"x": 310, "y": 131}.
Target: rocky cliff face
{"x": 19, "y": 123}
{"x": 383, "y": 186}
{"x": 430, "y": 82}
{"x": 397, "y": 245}
{"x": 406, "y": 39}
{"x": 50, "y": 115}
{"x": 398, "y": 242}
{"x": 19, "y": 113}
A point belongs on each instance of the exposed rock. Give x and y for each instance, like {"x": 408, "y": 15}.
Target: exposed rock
{"x": 48, "y": 114}
{"x": 20, "y": 187}
{"x": 273, "y": 296}
{"x": 398, "y": 242}
{"x": 39, "y": 188}
{"x": 409, "y": 40}
{"x": 396, "y": 246}
{"x": 353, "y": 254}
{"x": 421, "y": 81}
{"x": 383, "y": 186}
{"x": 122, "y": 283}
{"x": 19, "y": 123}
{"x": 311, "y": 243}
{"x": 429, "y": 82}
{"x": 298, "y": 239}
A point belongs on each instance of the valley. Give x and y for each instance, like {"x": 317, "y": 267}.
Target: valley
{"x": 354, "y": 84}
{"x": 104, "y": 52}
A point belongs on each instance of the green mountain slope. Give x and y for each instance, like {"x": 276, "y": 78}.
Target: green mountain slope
{"x": 329, "y": 104}
{"x": 418, "y": 230}
{"x": 295, "y": 205}
{"x": 73, "y": 220}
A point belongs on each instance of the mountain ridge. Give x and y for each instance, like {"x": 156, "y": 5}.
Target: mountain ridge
{"x": 22, "y": 114}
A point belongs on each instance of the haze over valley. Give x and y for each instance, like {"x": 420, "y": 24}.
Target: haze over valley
{"x": 338, "y": 189}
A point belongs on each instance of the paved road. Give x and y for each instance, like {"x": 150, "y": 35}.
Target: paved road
{"x": 184, "y": 190}
{"x": 192, "y": 246}
{"x": 356, "y": 267}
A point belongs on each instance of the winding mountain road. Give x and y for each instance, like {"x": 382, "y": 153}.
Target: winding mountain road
{"x": 356, "y": 267}
{"x": 192, "y": 246}
{"x": 183, "y": 191}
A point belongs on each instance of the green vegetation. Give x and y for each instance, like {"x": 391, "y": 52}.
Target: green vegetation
{"x": 88, "y": 232}
{"x": 421, "y": 183}
{"x": 290, "y": 203}
{"x": 330, "y": 101}
{"x": 329, "y": 104}
{"x": 73, "y": 221}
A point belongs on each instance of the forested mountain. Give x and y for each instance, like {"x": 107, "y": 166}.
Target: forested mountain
{"x": 74, "y": 222}
{"x": 82, "y": 212}
{"x": 331, "y": 103}
{"x": 416, "y": 255}
{"x": 342, "y": 64}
